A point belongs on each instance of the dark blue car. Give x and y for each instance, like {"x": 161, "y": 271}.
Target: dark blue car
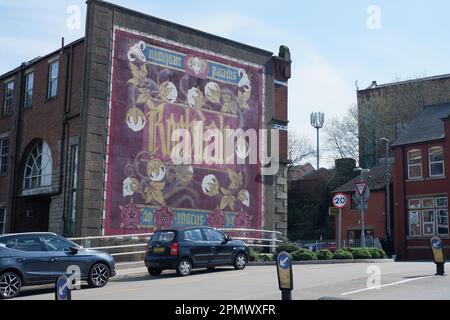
{"x": 184, "y": 249}
{"x": 40, "y": 258}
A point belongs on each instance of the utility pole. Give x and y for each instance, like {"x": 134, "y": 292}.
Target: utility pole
{"x": 388, "y": 189}
{"x": 317, "y": 122}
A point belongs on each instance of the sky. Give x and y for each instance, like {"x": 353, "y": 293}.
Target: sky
{"x": 334, "y": 44}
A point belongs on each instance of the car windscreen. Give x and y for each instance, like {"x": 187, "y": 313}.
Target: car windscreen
{"x": 163, "y": 236}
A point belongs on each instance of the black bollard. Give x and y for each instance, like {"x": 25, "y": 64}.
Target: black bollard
{"x": 440, "y": 269}
{"x": 286, "y": 295}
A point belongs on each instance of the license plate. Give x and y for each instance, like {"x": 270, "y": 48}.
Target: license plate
{"x": 159, "y": 250}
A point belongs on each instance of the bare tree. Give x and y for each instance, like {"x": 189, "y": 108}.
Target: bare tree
{"x": 341, "y": 135}
{"x": 300, "y": 149}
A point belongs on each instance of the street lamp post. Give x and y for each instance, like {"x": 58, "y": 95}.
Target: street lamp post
{"x": 388, "y": 189}
{"x": 362, "y": 205}
{"x": 317, "y": 122}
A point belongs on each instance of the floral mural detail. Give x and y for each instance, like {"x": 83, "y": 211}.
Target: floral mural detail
{"x": 140, "y": 75}
{"x": 163, "y": 218}
{"x": 229, "y": 105}
{"x": 210, "y": 185}
{"x": 245, "y": 81}
{"x": 168, "y": 92}
{"x": 244, "y": 197}
{"x": 131, "y": 216}
{"x": 137, "y": 52}
{"x": 156, "y": 170}
{"x": 184, "y": 174}
{"x": 130, "y": 186}
{"x": 136, "y": 119}
{"x": 212, "y": 92}
{"x": 196, "y": 99}
{"x": 243, "y": 219}
{"x": 216, "y": 219}
{"x": 228, "y": 199}
{"x": 197, "y": 66}
{"x": 242, "y": 99}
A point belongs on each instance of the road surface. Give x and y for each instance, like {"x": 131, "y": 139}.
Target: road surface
{"x": 343, "y": 281}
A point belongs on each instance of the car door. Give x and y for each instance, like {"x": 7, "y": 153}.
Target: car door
{"x": 197, "y": 246}
{"x": 61, "y": 259}
{"x": 222, "y": 253}
{"x": 32, "y": 259}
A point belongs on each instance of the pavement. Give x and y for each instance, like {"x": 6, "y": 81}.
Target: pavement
{"x": 397, "y": 281}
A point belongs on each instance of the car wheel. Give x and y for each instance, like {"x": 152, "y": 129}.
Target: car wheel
{"x": 184, "y": 267}
{"x": 240, "y": 262}
{"x": 10, "y": 285}
{"x": 154, "y": 272}
{"x": 98, "y": 276}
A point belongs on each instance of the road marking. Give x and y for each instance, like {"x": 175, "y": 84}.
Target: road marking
{"x": 386, "y": 285}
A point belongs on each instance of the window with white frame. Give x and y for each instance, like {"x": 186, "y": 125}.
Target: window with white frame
{"x": 39, "y": 167}
{"x": 53, "y": 71}
{"x": 4, "y": 151}
{"x": 2, "y": 220}
{"x": 29, "y": 84}
{"x": 414, "y": 164}
{"x": 436, "y": 156}
{"x": 428, "y": 216}
{"x": 8, "y": 98}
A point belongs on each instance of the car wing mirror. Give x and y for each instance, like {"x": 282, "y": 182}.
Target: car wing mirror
{"x": 73, "y": 250}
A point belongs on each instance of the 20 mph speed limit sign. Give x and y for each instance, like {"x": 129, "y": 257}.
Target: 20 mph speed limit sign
{"x": 340, "y": 200}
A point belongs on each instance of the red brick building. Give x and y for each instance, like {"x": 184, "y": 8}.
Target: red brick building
{"x": 422, "y": 183}
{"x": 83, "y": 131}
{"x": 375, "y": 215}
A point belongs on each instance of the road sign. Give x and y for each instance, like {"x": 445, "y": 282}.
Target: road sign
{"x": 285, "y": 278}
{"x": 62, "y": 290}
{"x": 361, "y": 188}
{"x": 333, "y": 211}
{"x": 437, "y": 247}
{"x": 340, "y": 200}
{"x": 366, "y": 195}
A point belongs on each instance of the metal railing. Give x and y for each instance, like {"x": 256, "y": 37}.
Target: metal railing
{"x": 132, "y": 244}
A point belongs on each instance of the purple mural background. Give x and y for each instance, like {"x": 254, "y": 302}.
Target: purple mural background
{"x": 157, "y": 87}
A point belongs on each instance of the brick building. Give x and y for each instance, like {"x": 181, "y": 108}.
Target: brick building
{"x": 375, "y": 214}
{"x": 85, "y": 131}
{"x": 421, "y": 183}
{"x": 384, "y": 110}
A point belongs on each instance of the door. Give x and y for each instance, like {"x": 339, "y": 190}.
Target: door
{"x": 33, "y": 214}
{"x": 33, "y": 259}
{"x": 222, "y": 251}
{"x": 61, "y": 259}
{"x": 199, "y": 249}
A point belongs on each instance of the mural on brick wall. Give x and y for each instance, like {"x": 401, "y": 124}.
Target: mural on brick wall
{"x": 159, "y": 86}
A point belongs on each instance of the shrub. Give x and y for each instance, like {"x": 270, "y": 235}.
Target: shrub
{"x": 377, "y": 253}
{"x": 324, "y": 254}
{"x": 361, "y": 253}
{"x": 254, "y": 256}
{"x": 303, "y": 255}
{"x": 265, "y": 258}
{"x": 288, "y": 247}
{"x": 342, "y": 254}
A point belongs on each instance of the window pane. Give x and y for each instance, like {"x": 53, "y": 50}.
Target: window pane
{"x": 436, "y": 154}
{"x": 29, "y": 244}
{"x": 414, "y": 223}
{"x": 2, "y": 215}
{"x": 442, "y": 202}
{"x": 442, "y": 217}
{"x": 53, "y": 79}
{"x": 214, "y": 235}
{"x": 193, "y": 235}
{"x": 414, "y": 204}
{"x": 428, "y": 203}
{"x": 57, "y": 244}
{"x": 437, "y": 169}
{"x": 415, "y": 171}
{"x": 415, "y": 157}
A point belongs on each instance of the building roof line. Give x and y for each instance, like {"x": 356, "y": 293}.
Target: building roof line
{"x": 177, "y": 25}
{"x": 374, "y": 86}
{"x": 38, "y": 59}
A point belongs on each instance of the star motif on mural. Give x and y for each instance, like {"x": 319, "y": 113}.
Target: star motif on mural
{"x": 163, "y": 218}
{"x": 216, "y": 219}
{"x": 131, "y": 216}
{"x": 243, "y": 219}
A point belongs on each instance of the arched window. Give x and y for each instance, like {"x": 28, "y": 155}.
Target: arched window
{"x": 38, "y": 168}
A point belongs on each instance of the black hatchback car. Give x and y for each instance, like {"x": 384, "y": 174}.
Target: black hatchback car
{"x": 184, "y": 249}
{"x": 40, "y": 258}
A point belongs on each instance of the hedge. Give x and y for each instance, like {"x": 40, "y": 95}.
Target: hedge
{"x": 342, "y": 254}
{"x": 324, "y": 254}
{"x": 304, "y": 255}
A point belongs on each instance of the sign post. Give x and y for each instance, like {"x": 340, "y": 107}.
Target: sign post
{"x": 62, "y": 290}
{"x": 340, "y": 201}
{"x": 360, "y": 190}
{"x": 285, "y": 277}
{"x": 437, "y": 247}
